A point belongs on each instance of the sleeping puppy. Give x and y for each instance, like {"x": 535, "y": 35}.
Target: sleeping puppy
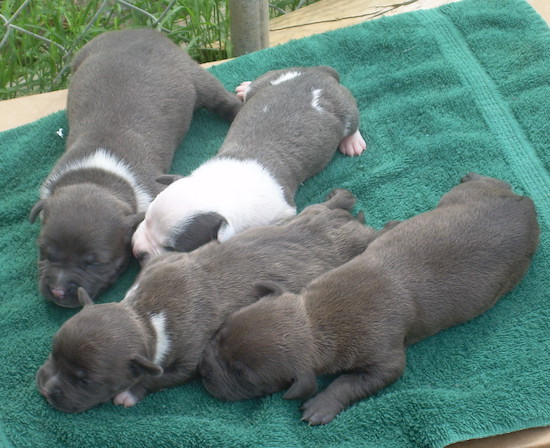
{"x": 154, "y": 338}
{"x": 428, "y": 273}
{"x": 287, "y": 131}
{"x": 130, "y": 102}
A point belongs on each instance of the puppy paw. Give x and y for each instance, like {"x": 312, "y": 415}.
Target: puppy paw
{"x": 320, "y": 410}
{"x": 126, "y": 399}
{"x": 243, "y": 89}
{"x": 353, "y": 145}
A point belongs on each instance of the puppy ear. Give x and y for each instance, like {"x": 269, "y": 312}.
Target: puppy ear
{"x": 83, "y": 297}
{"x": 201, "y": 229}
{"x": 304, "y": 386}
{"x": 268, "y": 288}
{"x": 142, "y": 366}
{"x": 167, "y": 179}
{"x": 37, "y": 208}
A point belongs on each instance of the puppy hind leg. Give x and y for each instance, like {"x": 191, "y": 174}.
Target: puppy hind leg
{"x": 353, "y": 145}
{"x": 349, "y": 388}
{"x": 345, "y": 108}
{"x": 243, "y": 89}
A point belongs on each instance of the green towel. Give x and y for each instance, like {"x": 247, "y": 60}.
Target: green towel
{"x": 462, "y": 88}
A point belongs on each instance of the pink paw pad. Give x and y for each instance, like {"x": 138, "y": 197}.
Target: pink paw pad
{"x": 243, "y": 89}
{"x": 353, "y": 145}
{"x": 125, "y": 399}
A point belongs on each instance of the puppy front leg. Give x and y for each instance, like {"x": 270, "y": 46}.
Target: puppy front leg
{"x": 349, "y": 388}
{"x": 170, "y": 378}
{"x": 130, "y": 397}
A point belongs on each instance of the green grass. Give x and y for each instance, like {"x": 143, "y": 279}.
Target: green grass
{"x": 31, "y": 65}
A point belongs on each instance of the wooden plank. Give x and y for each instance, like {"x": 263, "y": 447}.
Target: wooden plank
{"x": 319, "y": 17}
{"x": 528, "y": 438}
{"x": 328, "y": 15}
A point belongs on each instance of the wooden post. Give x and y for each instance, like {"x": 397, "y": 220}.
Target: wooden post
{"x": 249, "y": 25}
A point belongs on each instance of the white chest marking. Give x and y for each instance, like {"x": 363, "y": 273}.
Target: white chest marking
{"x": 103, "y": 160}
{"x": 285, "y": 77}
{"x": 163, "y": 341}
{"x": 315, "y": 100}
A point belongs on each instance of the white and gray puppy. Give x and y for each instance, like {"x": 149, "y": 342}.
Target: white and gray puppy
{"x": 428, "y": 273}
{"x": 288, "y": 130}
{"x": 131, "y": 99}
{"x": 154, "y": 338}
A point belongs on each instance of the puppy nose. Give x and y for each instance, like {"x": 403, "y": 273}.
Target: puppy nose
{"x": 58, "y": 293}
{"x": 55, "y": 394}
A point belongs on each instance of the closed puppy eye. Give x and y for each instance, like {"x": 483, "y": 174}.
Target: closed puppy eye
{"x": 90, "y": 260}
{"x": 81, "y": 378}
{"x": 49, "y": 256}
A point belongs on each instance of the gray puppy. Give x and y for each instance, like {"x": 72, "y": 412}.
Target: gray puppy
{"x": 288, "y": 130}
{"x": 154, "y": 338}
{"x": 428, "y": 273}
{"x": 130, "y": 102}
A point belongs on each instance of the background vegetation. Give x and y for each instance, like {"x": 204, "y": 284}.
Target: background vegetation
{"x": 39, "y": 37}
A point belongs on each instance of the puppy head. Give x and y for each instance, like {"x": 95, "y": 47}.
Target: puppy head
{"x": 474, "y": 186}
{"x": 96, "y": 354}
{"x": 259, "y": 350}
{"x": 179, "y": 219}
{"x": 84, "y": 242}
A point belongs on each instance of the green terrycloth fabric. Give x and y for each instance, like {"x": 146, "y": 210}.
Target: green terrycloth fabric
{"x": 442, "y": 92}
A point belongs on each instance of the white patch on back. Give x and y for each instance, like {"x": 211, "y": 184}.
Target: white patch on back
{"x": 163, "y": 341}
{"x": 245, "y": 194}
{"x": 285, "y": 77}
{"x": 103, "y": 160}
{"x": 315, "y": 101}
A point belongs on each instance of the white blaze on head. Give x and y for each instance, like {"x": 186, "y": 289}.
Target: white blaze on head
{"x": 144, "y": 240}
{"x": 285, "y": 77}
{"x": 172, "y": 205}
